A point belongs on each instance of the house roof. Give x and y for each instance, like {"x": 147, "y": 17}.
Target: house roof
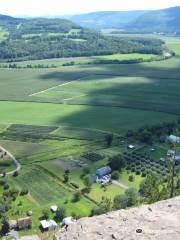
{"x": 47, "y": 224}
{"x": 67, "y": 220}
{"x": 103, "y": 171}
{"x": 24, "y": 221}
{"x": 174, "y": 138}
{"x": 54, "y": 208}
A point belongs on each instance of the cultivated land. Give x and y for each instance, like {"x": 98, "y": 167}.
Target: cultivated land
{"x": 51, "y": 117}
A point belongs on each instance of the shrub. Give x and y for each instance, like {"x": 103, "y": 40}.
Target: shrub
{"x": 131, "y": 178}
{"x": 76, "y": 197}
{"x": 120, "y": 201}
{"x": 138, "y": 172}
{"x": 24, "y": 191}
{"x": 115, "y": 175}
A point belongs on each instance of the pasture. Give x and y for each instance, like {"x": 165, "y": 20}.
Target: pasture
{"x": 119, "y": 119}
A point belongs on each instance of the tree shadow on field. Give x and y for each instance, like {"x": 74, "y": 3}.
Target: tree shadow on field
{"x": 131, "y": 104}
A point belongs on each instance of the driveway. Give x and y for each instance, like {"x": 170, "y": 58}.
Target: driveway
{"x": 121, "y": 185}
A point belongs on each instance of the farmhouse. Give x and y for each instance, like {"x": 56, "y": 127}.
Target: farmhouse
{"x": 48, "y": 225}
{"x": 103, "y": 171}
{"x": 173, "y": 138}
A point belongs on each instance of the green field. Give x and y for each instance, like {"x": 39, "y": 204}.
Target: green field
{"x": 120, "y": 119}
{"x": 50, "y": 117}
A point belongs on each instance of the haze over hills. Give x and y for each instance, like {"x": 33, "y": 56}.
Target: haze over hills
{"x": 107, "y": 19}
{"x": 166, "y": 20}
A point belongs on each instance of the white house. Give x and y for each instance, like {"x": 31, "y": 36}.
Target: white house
{"x": 48, "y": 224}
{"x": 173, "y": 138}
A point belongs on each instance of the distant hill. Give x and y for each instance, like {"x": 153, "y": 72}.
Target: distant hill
{"x": 109, "y": 19}
{"x": 40, "y": 38}
{"x": 165, "y": 20}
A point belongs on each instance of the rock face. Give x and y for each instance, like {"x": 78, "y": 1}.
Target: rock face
{"x": 159, "y": 221}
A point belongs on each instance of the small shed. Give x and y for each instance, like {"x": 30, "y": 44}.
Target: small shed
{"x": 23, "y": 223}
{"x": 103, "y": 171}
{"x": 67, "y": 221}
{"x": 54, "y": 208}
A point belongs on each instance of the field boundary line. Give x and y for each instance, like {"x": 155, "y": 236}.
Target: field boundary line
{"x": 45, "y": 90}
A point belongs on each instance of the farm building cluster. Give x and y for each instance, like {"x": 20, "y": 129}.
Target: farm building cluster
{"x": 103, "y": 175}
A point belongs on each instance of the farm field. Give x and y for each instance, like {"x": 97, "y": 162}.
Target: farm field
{"x": 54, "y": 63}
{"x": 79, "y": 116}
{"x": 53, "y": 119}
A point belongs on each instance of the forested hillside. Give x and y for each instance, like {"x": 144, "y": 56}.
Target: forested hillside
{"x": 107, "y": 19}
{"x": 41, "y": 38}
{"x": 165, "y": 20}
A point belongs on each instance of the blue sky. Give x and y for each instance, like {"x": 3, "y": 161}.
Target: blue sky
{"x": 58, "y": 7}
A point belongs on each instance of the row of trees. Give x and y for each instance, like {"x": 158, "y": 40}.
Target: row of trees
{"x": 158, "y": 132}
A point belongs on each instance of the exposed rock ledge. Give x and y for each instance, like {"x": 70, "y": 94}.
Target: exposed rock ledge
{"x": 157, "y": 221}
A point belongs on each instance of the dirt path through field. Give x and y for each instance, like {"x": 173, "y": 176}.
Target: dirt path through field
{"x": 119, "y": 184}
{"x": 18, "y": 165}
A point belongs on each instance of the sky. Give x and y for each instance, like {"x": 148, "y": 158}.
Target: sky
{"x": 62, "y": 7}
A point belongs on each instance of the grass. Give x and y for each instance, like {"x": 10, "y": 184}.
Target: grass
{"x": 124, "y": 179}
{"x": 110, "y": 191}
{"x": 19, "y": 148}
{"x": 119, "y": 119}
{"x": 128, "y": 56}
{"x": 154, "y": 155}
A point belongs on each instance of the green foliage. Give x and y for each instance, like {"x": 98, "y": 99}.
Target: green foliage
{"x": 117, "y": 162}
{"x": 76, "y": 196}
{"x": 132, "y": 195}
{"x": 115, "y": 175}
{"x": 109, "y": 139}
{"x": 45, "y": 213}
{"x": 150, "y": 188}
{"x": 121, "y": 201}
{"x": 105, "y": 206}
{"x": 60, "y": 213}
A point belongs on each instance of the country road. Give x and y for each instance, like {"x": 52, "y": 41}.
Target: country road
{"x": 121, "y": 185}
{"x": 18, "y": 165}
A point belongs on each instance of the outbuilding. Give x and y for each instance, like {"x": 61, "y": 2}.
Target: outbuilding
{"x": 48, "y": 225}
{"x": 103, "y": 171}
{"x": 54, "y": 208}
{"x": 173, "y": 138}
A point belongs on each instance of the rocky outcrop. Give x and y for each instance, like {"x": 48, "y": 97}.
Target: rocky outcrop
{"x": 159, "y": 221}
